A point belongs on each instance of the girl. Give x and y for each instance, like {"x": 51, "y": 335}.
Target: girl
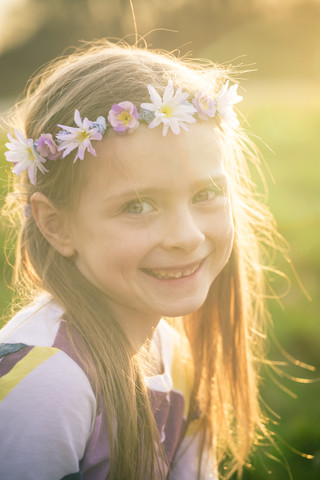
{"x": 131, "y": 173}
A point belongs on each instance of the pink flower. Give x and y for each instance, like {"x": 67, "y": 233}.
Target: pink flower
{"x": 47, "y": 147}
{"x": 123, "y": 117}
{"x": 206, "y": 106}
{"x": 71, "y": 138}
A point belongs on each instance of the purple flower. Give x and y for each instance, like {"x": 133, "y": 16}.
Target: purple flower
{"x": 123, "y": 117}
{"x": 206, "y": 106}
{"x": 27, "y": 210}
{"x": 71, "y": 138}
{"x": 47, "y": 147}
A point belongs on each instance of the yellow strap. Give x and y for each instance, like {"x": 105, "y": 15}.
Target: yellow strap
{"x": 35, "y": 357}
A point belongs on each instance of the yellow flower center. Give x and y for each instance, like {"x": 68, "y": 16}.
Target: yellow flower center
{"x": 124, "y": 117}
{"x": 31, "y": 154}
{"x": 204, "y": 104}
{"x": 167, "y": 110}
{"x": 83, "y": 135}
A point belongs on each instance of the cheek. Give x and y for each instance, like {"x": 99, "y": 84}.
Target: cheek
{"x": 222, "y": 226}
{"x": 222, "y": 234}
{"x": 127, "y": 247}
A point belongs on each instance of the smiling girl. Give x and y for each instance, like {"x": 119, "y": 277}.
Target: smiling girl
{"x": 140, "y": 242}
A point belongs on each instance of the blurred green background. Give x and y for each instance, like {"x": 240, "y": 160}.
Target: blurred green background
{"x": 280, "y": 42}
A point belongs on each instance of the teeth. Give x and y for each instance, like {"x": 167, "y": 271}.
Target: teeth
{"x": 163, "y": 274}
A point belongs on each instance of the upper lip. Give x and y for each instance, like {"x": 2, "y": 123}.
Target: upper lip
{"x": 176, "y": 268}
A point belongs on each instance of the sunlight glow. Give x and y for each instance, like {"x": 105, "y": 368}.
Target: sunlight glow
{"x": 17, "y": 23}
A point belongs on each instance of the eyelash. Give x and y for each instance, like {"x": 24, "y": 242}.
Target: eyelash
{"x": 214, "y": 191}
{"x": 210, "y": 190}
{"x": 138, "y": 203}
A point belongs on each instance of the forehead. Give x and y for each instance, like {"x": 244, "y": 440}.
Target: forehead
{"x": 147, "y": 159}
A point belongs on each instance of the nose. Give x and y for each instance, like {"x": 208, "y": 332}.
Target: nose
{"x": 182, "y": 232}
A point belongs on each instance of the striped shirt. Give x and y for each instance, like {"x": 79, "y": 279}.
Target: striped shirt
{"x": 51, "y": 427}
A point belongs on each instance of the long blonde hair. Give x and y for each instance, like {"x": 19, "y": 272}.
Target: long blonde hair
{"x": 225, "y": 335}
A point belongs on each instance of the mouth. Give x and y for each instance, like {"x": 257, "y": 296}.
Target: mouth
{"x": 173, "y": 273}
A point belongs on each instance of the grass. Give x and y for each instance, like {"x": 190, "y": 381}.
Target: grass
{"x": 291, "y": 131}
{"x": 5, "y": 291}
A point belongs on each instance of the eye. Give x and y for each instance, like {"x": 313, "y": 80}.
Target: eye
{"x": 139, "y": 207}
{"x": 206, "y": 194}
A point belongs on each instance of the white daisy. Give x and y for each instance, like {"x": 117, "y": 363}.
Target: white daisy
{"x": 173, "y": 111}
{"x": 225, "y": 100}
{"x": 78, "y": 137}
{"x": 22, "y": 152}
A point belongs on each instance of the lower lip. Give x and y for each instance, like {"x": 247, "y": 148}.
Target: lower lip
{"x": 176, "y": 281}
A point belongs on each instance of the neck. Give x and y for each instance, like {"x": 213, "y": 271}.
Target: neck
{"x": 138, "y": 327}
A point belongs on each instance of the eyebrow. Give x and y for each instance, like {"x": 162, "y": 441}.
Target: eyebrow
{"x": 219, "y": 181}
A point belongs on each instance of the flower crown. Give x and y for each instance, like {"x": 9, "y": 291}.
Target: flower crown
{"x": 173, "y": 111}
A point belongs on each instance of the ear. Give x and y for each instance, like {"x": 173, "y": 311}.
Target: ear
{"x": 52, "y": 223}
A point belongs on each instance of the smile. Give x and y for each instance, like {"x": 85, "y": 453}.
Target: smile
{"x": 165, "y": 274}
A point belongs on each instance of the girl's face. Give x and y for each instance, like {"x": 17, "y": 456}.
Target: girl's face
{"x": 154, "y": 228}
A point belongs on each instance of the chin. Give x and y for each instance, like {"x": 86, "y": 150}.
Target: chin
{"x": 181, "y": 310}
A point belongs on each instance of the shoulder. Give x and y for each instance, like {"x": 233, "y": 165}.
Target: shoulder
{"x": 46, "y": 371}
{"x": 47, "y": 410}
{"x": 30, "y": 357}
{"x": 36, "y": 324}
